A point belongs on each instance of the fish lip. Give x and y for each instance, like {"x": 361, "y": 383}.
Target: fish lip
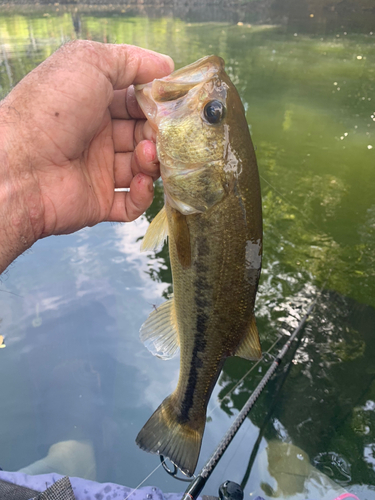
{"x": 146, "y": 102}
{"x": 203, "y": 69}
{"x": 149, "y": 95}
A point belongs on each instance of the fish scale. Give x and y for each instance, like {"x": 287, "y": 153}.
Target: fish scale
{"x": 213, "y": 219}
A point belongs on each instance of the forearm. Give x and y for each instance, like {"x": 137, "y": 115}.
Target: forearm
{"x": 20, "y": 210}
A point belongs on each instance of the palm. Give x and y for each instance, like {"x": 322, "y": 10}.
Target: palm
{"x": 80, "y": 192}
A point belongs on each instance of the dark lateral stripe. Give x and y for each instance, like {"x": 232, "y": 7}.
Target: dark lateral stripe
{"x": 200, "y": 342}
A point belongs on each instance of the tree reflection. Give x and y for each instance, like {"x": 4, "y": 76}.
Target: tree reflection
{"x": 327, "y": 400}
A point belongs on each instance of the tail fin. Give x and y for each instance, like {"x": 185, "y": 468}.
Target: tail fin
{"x": 180, "y": 442}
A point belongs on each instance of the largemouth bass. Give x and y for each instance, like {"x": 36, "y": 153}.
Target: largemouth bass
{"x": 213, "y": 217}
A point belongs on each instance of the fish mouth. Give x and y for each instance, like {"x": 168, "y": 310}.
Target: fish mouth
{"x": 151, "y": 96}
{"x": 197, "y": 72}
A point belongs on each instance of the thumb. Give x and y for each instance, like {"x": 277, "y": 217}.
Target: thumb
{"x": 123, "y": 65}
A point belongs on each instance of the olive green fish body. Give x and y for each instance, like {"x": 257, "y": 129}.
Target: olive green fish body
{"x": 213, "y": 218}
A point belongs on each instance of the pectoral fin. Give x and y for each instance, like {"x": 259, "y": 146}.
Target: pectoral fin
{"x": 156, "y": 233}
{"x": 249, "y": 347}
{"x": 159, "y": 332}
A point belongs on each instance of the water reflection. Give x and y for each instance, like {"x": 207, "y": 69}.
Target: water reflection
{"x": 318, "y": 404}
{"x": 128, "y": 243}
{"x": 292, "y": 475}
{"x": 77, "y": 23}
{"x": 334, "y": 466}
{"x": 79, "y": 301}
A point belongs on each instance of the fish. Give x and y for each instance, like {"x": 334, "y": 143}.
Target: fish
{"x": 212, "y": 216}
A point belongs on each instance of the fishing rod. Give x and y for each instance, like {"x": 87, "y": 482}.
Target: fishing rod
{"x": 197, "y": 484}
{"x": 275, "y": 401}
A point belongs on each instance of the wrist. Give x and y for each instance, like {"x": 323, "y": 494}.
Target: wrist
{"x": 20, "y": 208}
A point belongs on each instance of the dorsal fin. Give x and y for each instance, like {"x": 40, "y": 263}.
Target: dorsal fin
{"x": 156, "y": 232}
{"x": 249, "y": 347}
{"x": 159, "y": 332}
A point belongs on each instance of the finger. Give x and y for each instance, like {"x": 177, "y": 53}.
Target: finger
{"x": 143, "y": 131}
{"x": 122, "y": 65}
{"x": 123, "y": 135}
{"x": 143, "y": 160}
{"x": 131, "y": 65}
{"x": 128, "y": 133}
{"x": 123, "y": 170}
{"x": 129, "y": 206}
{"x": 125, "y": 105}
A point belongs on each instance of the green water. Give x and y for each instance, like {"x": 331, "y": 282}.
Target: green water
{"x": 310, "y": 105}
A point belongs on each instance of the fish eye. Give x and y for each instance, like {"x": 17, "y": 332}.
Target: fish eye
{"x": 214, "y": 112}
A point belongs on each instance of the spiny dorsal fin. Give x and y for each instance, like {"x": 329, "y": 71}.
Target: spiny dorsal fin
{"x": 156, "y": 232}
{"x": 159, "y": 332}
{"x": 249, "y": 347}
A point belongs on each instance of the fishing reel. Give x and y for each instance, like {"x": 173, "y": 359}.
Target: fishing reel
{"x": 230, "y": 491}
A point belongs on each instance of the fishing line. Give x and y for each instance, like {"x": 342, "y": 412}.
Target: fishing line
{"x": 276, "y": 398}
{"x": 198, "y": 484}
{"x": 281, "y": 336}
{"x": 162, "y": 460}
{"x": 144, "y": 480}
{"x": 234, "y": 454}
{"x": 244, "y": 376}
{"x": 195, "y": 488}
{"x": 174, "y": 472}
{"x": 275, "y": 401}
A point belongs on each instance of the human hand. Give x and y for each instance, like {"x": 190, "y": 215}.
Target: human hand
{"x": 71, "y": 133}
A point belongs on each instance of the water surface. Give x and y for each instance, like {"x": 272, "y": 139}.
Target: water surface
{"x": 71, "y": 307}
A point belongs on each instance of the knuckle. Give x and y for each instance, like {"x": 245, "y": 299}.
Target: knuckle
{"x": 79, "y": 45}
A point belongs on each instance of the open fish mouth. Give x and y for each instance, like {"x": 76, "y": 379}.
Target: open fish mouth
{"x": 212, "y": 216}
{"x": 151, "y": 96}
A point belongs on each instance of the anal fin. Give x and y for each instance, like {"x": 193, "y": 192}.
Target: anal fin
{"x": 249, "y": 348}
{"x": 159, "y": 332}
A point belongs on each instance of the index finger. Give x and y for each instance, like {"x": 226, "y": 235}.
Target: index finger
{"x": 124, "y": 105}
